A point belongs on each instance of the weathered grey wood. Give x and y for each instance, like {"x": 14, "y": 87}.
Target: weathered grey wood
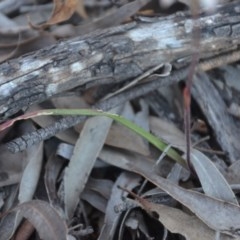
{"x": 112, "y": 55}
{"x": 215, "y": 110}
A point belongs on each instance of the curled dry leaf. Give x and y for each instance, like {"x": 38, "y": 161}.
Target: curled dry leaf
{"x": 44, "y": 218}
{"x": 129, "y": 181}
{"x": 62, "y": 11}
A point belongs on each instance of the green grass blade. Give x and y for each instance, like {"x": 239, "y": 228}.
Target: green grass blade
{"x": 157, "y": 142}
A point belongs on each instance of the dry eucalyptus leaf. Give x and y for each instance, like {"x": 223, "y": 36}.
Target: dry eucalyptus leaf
{"x": 52, "y": 170}
{"x": 65, "y": 150}
{"x": 177, "y": 173}
{"x": 231, "y": 74}
{"x": 232, "y": 174}
{"x": 135, "y": 222}
{"x": 33, "y": 158}
{"x": 129, "y": 181}
{"x": 176, "y": 221}
{"x": 44, "y": 218}
{"x": 234, "y": 110}
{"x": 10, "y": 54}
{"x": 7, "y": 226}
{"x": 81, "y": 9}
{"x": 97, "y": 192}
{"x": 218, "y": 215}
{"x": 167, "y": 131}
{"x": 6, "y": 22}
{"x": 120, "y": 137}
{"x": 102, "y": 186}
{"x": 142, "y": 116}
{"x": 95, "y": 199}
{"x": 113, "y": 18}
{"x": 225, "y": 128}
{"x": 86, "y": 150}
{"x": 63, "y": 10}
{"x": 71, "y": 101}
{"x": 63, "y": 31}
{"x": 31, "y": 173}
{"x": 212, "y": 181}
{"x": 13, "y": 165}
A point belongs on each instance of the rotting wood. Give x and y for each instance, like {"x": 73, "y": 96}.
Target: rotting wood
{"x": 113, "y": 55}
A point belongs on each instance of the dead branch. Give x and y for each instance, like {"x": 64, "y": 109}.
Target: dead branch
{"x": 113, "y": 55}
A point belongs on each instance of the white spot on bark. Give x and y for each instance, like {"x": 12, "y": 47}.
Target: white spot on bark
{"x": 28, "y": 65}
{"x": 95, "y": 58}
{"x": 188, "y": 25}
{"x": 7, "y": 88}
{"x": 209, "y": 5}
{"x": 53, "y": 70}
{"x": 77, "y": 67}
{"x": 163, "y": 33}
{"x": 51, "y": 89}
{"x": 209, "y": 21}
